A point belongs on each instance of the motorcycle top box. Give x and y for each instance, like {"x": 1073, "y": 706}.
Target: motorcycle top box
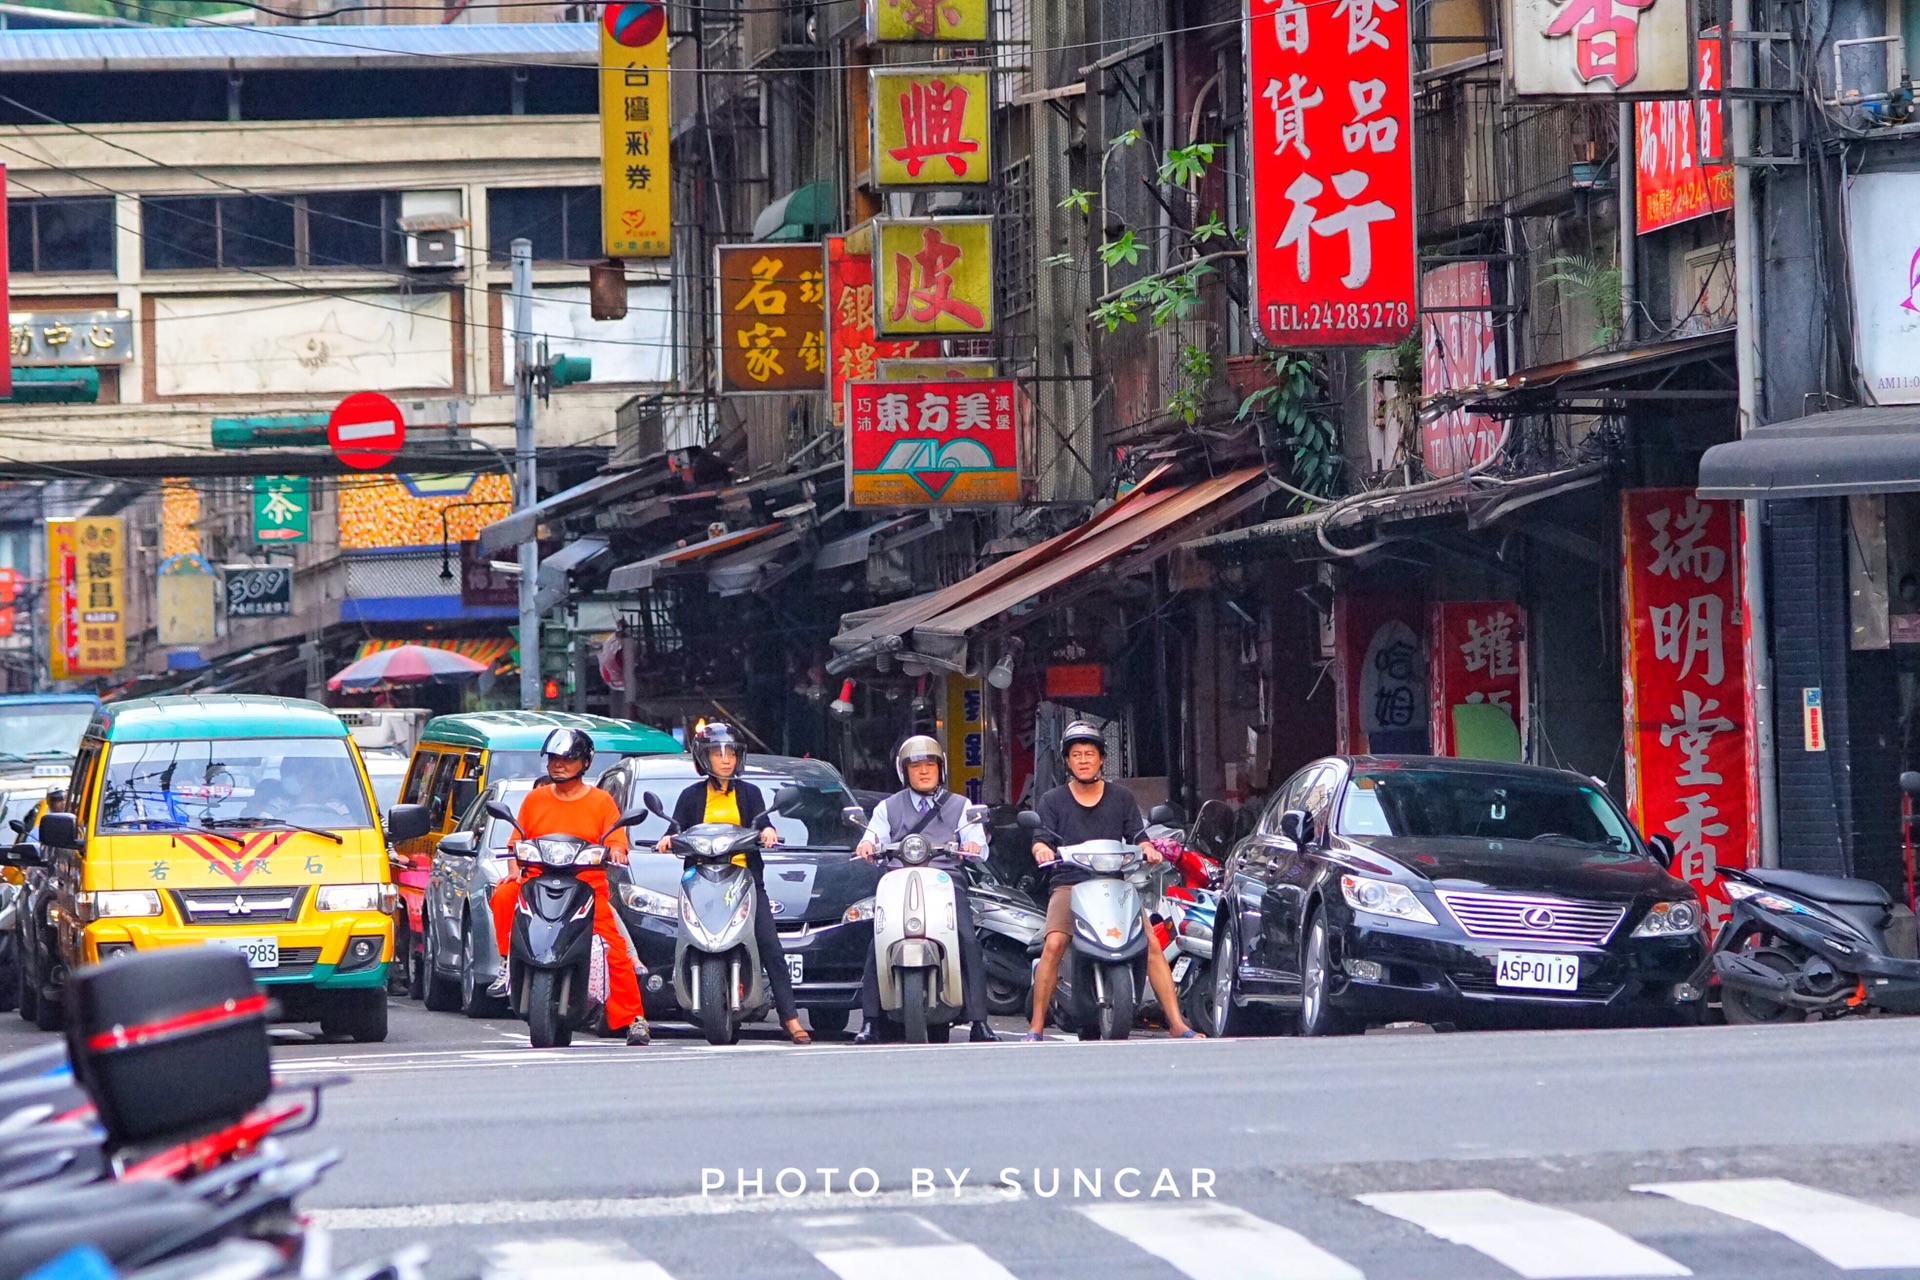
{"x": 169, "y": 1041}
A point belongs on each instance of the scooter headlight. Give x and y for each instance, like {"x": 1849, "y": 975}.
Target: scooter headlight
{"x": 1738, "y": 890}
{"x": 1106, "y": 863}
{"x": 648, "y": 901}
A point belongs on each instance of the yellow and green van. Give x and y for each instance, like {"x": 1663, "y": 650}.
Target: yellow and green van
{"x": 231, "y": 821}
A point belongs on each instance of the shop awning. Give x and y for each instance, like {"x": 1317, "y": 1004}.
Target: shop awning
{"x": 1824, "y": 455}
{"x": 522, "y": 525}
{"x": 855, "y": 547}
{"x": 492, "y": 650}
{"x": 639, "y": 575}
{"x": 1140, "y": 527}
{"x": 801, "y": 214}
{"x": 1664, "y": 374}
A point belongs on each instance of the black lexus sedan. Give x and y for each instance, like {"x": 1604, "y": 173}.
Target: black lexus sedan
{"x": 1419, "y": 888}
{"x": 822, "y": 899}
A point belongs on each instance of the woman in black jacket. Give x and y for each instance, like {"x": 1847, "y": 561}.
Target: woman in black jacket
{"x": 720, "y": 797}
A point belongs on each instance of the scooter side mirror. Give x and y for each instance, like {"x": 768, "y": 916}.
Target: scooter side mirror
{"x": 855, "y": 816}
{"x": 1663, "y": 849}
{"x": 1028, "y": 820}
{"x": 977, "y": 815}
{"x": 1910, "y": 782}
{"x": 652, "y": 801}
{"x": 786, "y": 798}
{"x": 1168, "y": 815}
{"x": 497, "y": 810}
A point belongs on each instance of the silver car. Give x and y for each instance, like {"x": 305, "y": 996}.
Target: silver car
{"x": 457, "y": 920}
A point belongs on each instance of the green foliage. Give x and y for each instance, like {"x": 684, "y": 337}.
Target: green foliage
{"x": 163, "y": 13}
{"x": 1124, "y": 249}
{"x": 1598, "y": 284}
{"x": 1212, "y": 229}
{"x": 1186, "y": 164}
{"x": 1309, "y": 437}
{"x": 1077, "y": 200}
{"x": 1196, "y": 375}
{"x": 1057, "y": 260}
{"x": 1126, "y": 139}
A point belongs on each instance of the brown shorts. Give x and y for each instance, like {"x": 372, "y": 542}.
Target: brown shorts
{"x": 1060, "y": 911}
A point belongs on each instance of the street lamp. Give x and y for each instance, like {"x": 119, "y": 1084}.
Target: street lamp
{"x": 446, "y": 569}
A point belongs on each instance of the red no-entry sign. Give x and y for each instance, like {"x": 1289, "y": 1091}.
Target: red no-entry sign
{"x": 365, "y": 430}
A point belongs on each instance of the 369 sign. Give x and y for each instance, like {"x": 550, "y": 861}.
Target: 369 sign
{"x": 1331, "y": 251}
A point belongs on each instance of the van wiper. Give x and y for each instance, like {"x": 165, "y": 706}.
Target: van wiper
{"x": 278, "y": 824}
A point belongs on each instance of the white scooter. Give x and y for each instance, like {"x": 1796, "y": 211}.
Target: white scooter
{"x": 916, "y": 935}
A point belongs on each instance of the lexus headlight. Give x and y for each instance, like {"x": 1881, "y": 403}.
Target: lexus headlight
{"x": 1384, "y": 898}
{"x": 649, "y": 902}
{"x": 861, "y": 910}
{"x": 1668, "y": 919}
{"x": 347, "y": 897}
{"x": 108, "y": 903}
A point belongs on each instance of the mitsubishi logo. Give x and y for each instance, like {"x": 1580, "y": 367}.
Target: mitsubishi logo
{"x": 1537, "y": 918}
{"x": 240, "y": 907}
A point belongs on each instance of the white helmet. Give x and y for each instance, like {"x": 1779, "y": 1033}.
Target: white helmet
{"x": 917, "y": 748}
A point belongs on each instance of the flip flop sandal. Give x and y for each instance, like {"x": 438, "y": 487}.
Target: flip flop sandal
{"x": 1032, "y": 1037}
{"x": 1189, "y": 1034}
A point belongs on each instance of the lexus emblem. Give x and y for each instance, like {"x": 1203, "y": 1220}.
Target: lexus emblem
{"x": 1537, "y": 918}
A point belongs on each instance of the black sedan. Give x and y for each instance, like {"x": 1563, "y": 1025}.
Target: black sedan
{"x": 822, "y": 899}
{"x": 1378, "y": 889}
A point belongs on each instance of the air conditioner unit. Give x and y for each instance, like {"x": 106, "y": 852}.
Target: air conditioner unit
{"x": 435, "y": 229}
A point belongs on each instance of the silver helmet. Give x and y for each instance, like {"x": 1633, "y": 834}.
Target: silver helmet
{"x": 919, "y": 747}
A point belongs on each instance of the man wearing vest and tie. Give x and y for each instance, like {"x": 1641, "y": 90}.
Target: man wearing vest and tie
{"x": 926, "y": 808}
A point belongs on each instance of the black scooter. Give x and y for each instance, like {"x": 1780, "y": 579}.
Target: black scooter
{"x": 1798, "y": 943}
{"x": 551, "y": 949}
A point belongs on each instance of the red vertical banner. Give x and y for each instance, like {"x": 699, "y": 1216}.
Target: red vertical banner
{"x": 1671, "y": 138}
{"x": 1380, "y": 674}
{"x": 6, "y": 251}
{"x": 1686, "y": 683}
{"x": 1476, "y": 667}
{"x": 851, "y": 346}
{"x": 1330, "y": 106}
{"x": 1458, "y": 348}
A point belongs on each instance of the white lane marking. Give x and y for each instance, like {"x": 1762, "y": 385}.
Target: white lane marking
{"x": 1851, "y": 1234}
{"x": 870, "y": 1246}
{"x": 568, "y": 1260}
{"x": 488, "y": 1213}
{"x": 1213, "y": 1241}
{"x": 1536, "y": 1240}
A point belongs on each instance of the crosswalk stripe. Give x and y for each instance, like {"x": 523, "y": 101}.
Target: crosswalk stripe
{"x": 1536, "y": 1240}
{"x": 564, "y": 1259}
{"x": 920, "y": 1261}
{"x": 1850, "y": 1234}
{"x": 1212, "y": 1241}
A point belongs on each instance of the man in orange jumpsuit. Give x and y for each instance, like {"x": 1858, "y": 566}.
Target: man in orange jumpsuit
{"x": 565, "y": 805}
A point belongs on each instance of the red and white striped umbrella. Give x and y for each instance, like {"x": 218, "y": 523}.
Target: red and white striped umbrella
{"x": 406, "y": 664}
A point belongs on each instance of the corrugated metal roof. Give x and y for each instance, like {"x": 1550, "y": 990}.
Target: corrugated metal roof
{"x": 219, "y": 48}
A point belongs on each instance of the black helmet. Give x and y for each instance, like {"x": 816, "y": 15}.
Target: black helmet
{"x": 1081, "y": 731}
{"x": 568, "y": 744}
{"x": 708, "y": 737}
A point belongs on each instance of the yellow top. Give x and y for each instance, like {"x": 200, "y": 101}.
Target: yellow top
{"x": 724, "y": 806}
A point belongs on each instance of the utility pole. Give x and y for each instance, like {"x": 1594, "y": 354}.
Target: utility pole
{"x": 525, "y": 488}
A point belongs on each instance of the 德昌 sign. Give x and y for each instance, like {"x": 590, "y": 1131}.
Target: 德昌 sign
{"x": 772, "y": 317}
{"x": 45, "y": 338}
{"x": 282, "y": 509}
{"x": 99, "y": 596}
{"x": 932, "y": 443}
{"x": 258, "y": 592}
{"x": 635, "y": 194}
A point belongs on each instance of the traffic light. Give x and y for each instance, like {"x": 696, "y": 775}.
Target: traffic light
{"x": 567, "y": 370}
{"x": 550, "y": 690}
{"x": 72, "y": 384}
{"x": 270, "y": 431}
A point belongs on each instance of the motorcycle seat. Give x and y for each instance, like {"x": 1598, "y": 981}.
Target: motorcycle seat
{"x": 1835, "y": 889}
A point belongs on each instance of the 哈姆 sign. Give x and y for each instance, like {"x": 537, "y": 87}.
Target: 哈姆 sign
{"x": 635, "y": 195}
{"x": 258, "y": 592}
{"x": 1607, "y": 48}
{"x": 930, "y": 128}
{"x": 932, "y": 443}
{"x": 932, "y": 276}
{"x": 772, "y": 317}
{"x": 1330, "y": 122}
{"x": 282, "y": 509}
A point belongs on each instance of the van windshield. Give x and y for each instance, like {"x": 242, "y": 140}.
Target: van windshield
{"x": 233, "y": 782}
{"x": 42, "y": 730}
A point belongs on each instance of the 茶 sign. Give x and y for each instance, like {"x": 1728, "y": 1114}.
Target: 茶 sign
{"x": 932, "y": 443}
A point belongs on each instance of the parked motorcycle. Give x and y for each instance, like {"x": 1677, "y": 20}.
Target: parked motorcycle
{"x": 717, "y": 975}
{"x": 1105, "y": 968}
{"x": 550, "y": 955}
{"x": 916, "y": 937}
{"x": 1009, "y": 925}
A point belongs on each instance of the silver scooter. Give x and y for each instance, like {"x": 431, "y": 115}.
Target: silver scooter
{"x": 717, "y": 976}
{"x": 1105, "y": 969}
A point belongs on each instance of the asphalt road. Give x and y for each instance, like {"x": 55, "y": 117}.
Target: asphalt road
{"x": 1757, "y": 1153}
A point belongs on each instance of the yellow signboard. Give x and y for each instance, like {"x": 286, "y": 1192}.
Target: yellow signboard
{"x": 925, "y": 370}
{"x": 966, "y": 733}
{"x": 636, "y": 198}
{"x": 99, "y": 595}
{"x": 930, "y": 128}
{"x": 932, "y": 275}
{"x": 919, "y": 21}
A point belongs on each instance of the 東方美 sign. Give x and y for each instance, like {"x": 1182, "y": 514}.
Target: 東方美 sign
{"x": 282, "y": 509}
{"x": 930, "y": 128}
{"x": 853, "y": 352}
{"x": 771, "y": 317}
{"x": 1607, "y": 48}
{"x": 43, "y": 338}
{"x": 925, "y": 21}
{"x": 1331, "y": 249}
{"x": 1686, "y": 683}
{"x": 635, "y": 195}
{"x": 1670, "y": 140}
{"x": 932, "y": 443}
{"x": 932, "y": 276}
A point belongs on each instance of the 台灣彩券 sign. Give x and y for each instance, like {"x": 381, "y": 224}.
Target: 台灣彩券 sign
{"x": 636, "y": 207}
{"x": 930, "y": 128}
{"x": 772, "y": 317}
{"x": 924, "y": 21}
{"x": 853, "y": 352}
{"x": 1607, "y": 48}
{"x": 932, "y": 443}
{"x": 1686, "y": 683}
{"x": 1331, "y": 249}
{"x": 932, "y": 276}
{"x": 1671, "y": 139}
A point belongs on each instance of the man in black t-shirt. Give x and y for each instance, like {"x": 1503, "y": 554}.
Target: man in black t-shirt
{"x": 1088, "y": 807}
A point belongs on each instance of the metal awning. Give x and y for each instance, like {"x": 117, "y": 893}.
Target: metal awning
{"x": 1140, "y": 527}
{"x": 639, "y": 575}
{"x": 1606, "y": 381}
{"x": 855, "y": 547}
{"x": 212, "y": 47}
{"x": 523, "y": 525}
{"x": 1824, "y": 455}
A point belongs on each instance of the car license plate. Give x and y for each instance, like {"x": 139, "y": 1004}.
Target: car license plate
{"x": 1537, "y": 970}
{"x": 1181, "y": 966}
{"x": 261, "y": 953}
{"x": 797, "y": 968}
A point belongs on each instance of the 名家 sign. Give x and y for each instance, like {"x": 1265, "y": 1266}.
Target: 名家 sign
{"x": 635, "y": 194}
{"x": 1607, "y": 48}
{"x": 930, "y": 128}
{"x": 933, "y": 276}
{"x": 853, "y": 352}
{"x": 258, "y": 592}
{"x": 366, "y": 430}
{"x": 924, "y": 21}
{"x": 1671, "y": 140}
{"x": 772, "y": 309}
{"x": 932, "y": 443}
{"x": 1459, "y": 348}
{"x": 1477, "y": 673}
{"x": 1686, "y": 683}
{"x": 1331, "y": 249}
{"x": 282, "y": 509}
